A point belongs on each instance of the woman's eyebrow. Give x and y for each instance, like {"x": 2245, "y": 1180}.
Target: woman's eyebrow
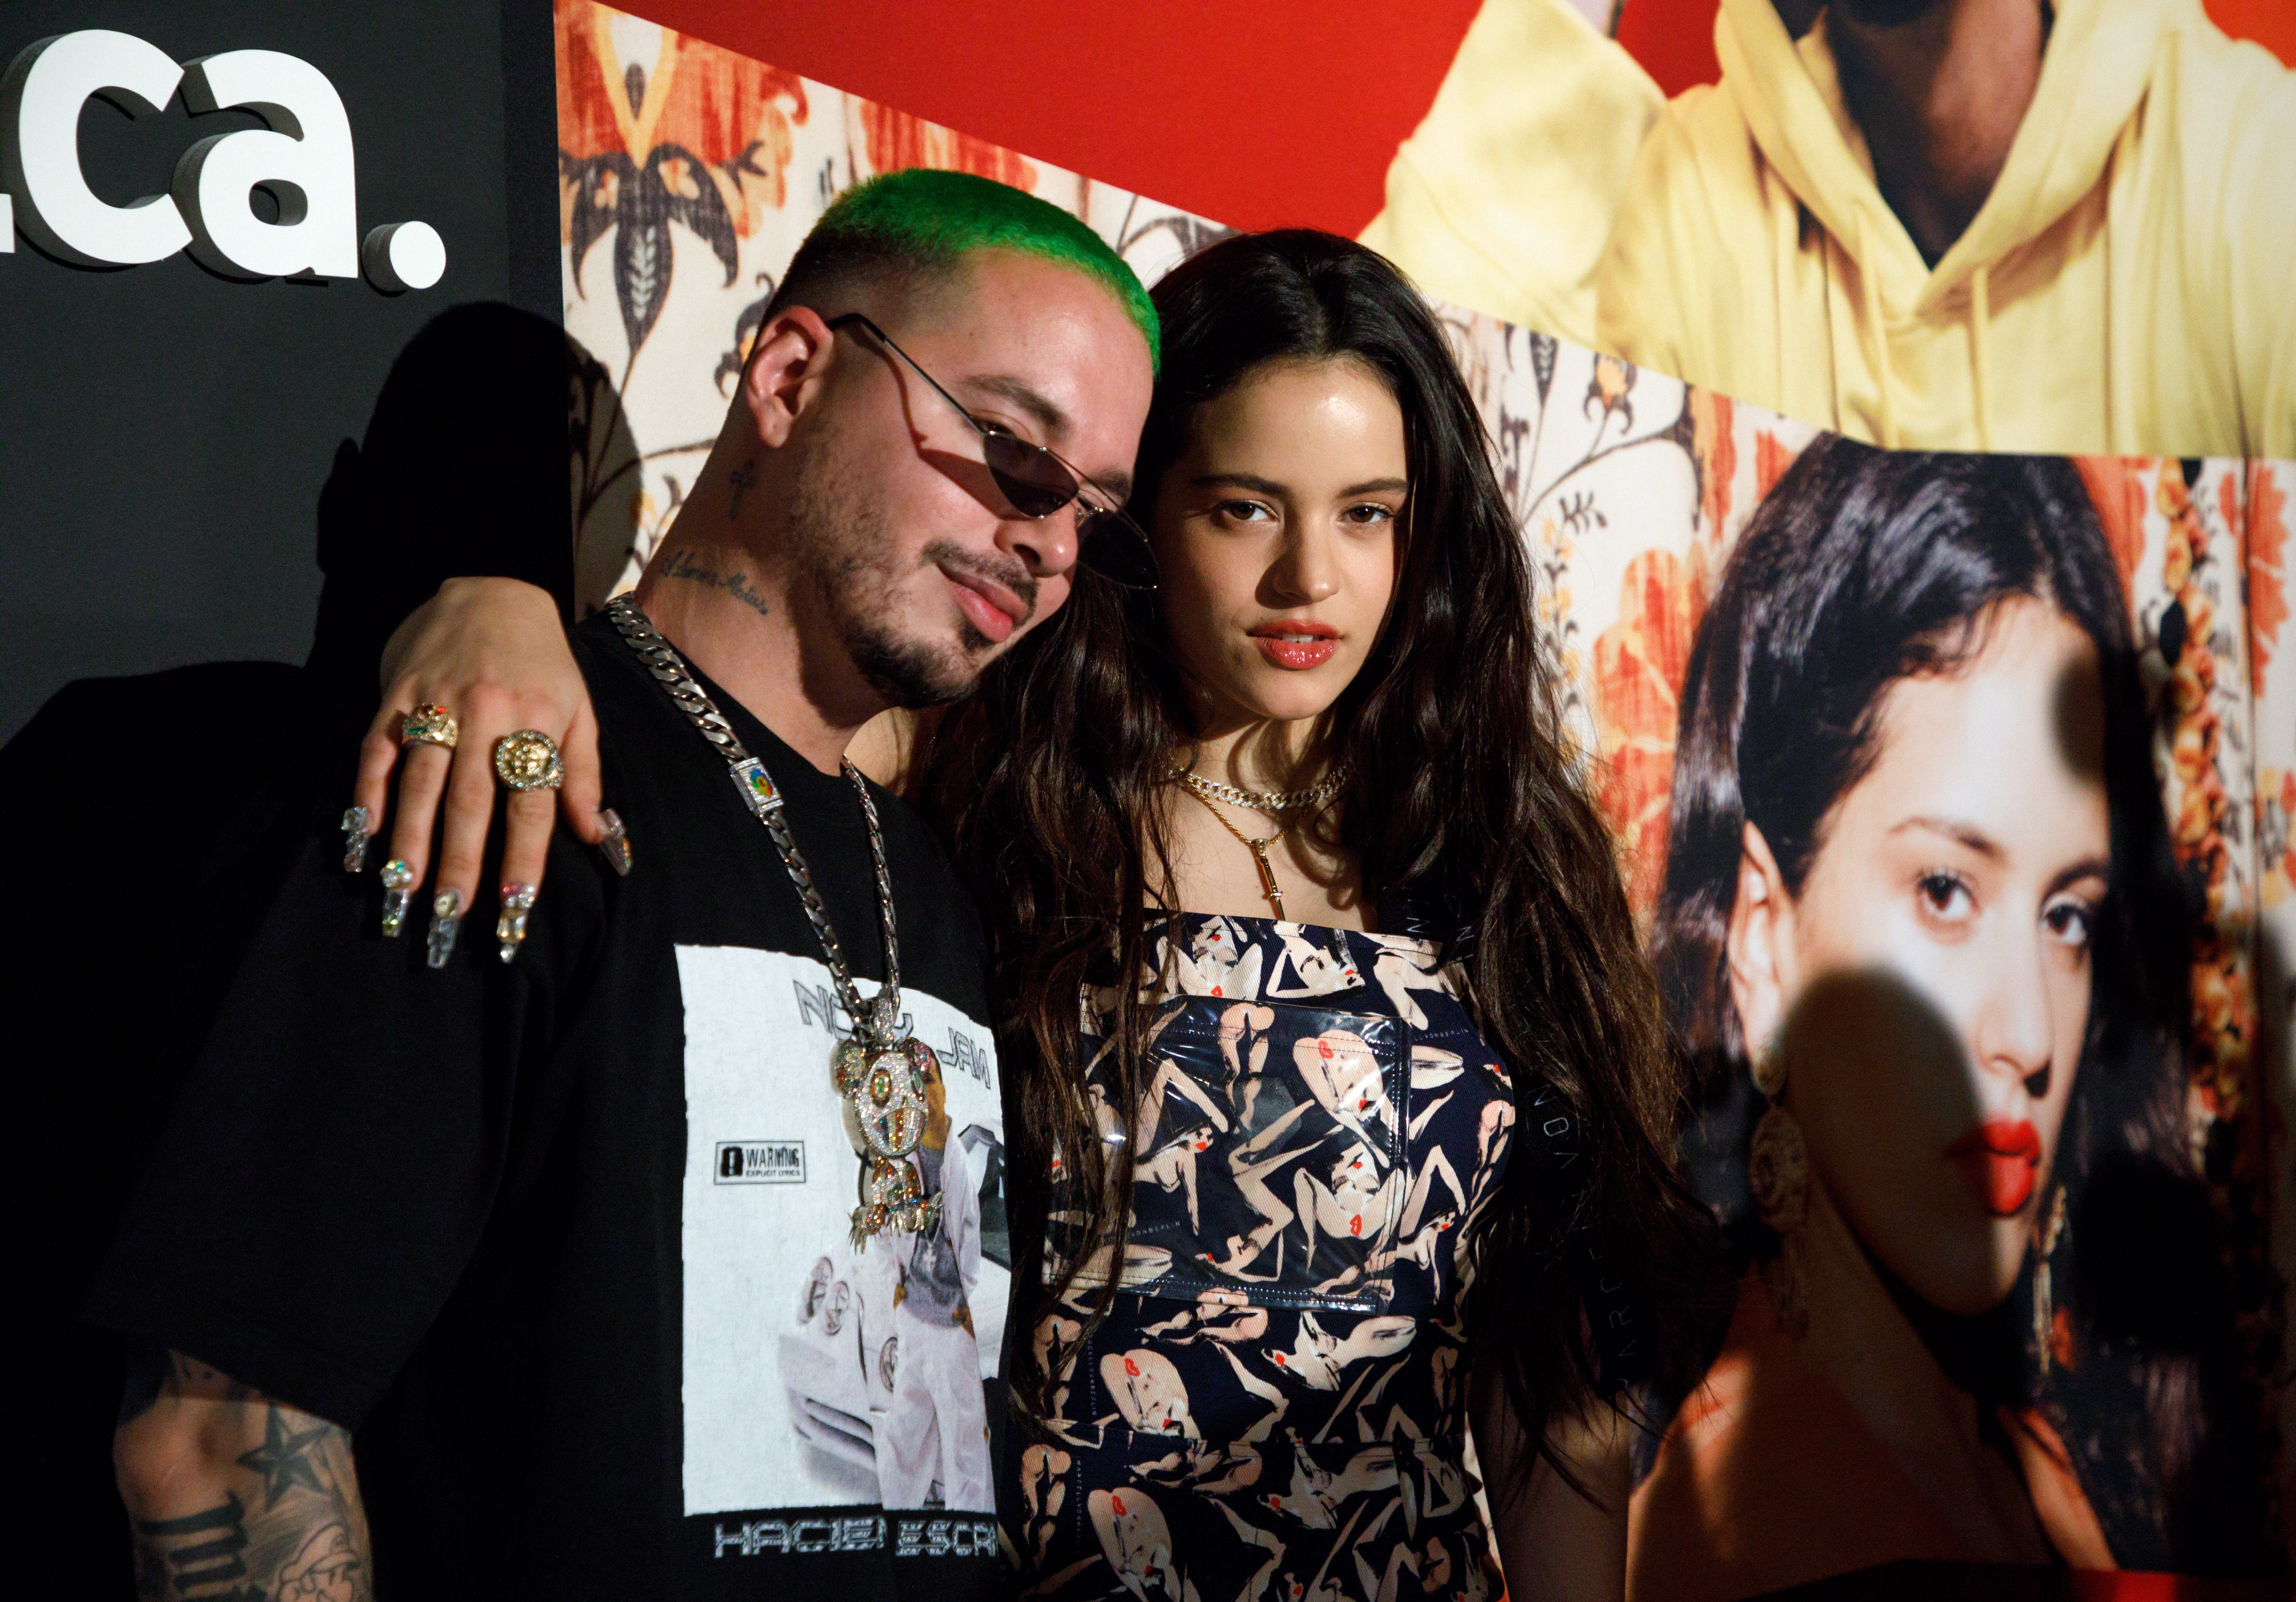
{"x": 1258, "y": 485}
{"x": 1977, "y": 839}
{"x": 1241, "y": 480}
{"x": 1956, "y": 830}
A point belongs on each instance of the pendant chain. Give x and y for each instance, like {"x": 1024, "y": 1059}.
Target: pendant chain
{"x": 1258, "y": 847}
{"x": 876, "y": 1019}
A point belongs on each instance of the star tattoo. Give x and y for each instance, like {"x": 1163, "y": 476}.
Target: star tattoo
{"x": 283, "y": 1459}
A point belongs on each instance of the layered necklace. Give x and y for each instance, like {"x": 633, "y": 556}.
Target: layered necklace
{"x": 880, "y": 1074}
{"x": 1272, "y": 803}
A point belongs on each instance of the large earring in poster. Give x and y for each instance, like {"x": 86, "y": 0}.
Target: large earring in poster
{"x": 1768, "y": 1068}
{"x": 1777, "y": 1170}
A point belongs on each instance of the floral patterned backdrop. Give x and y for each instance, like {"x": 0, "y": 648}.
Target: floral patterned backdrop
{"x": 689, "y": 175}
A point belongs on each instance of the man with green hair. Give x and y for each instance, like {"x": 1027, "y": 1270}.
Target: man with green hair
{"x": 656, "y": 1247}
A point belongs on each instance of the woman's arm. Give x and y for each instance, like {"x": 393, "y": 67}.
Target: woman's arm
{"x": 1556, "y": 1544}
{"x": 491, "y": 652}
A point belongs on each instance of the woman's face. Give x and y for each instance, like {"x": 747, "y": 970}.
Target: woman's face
{"x": 1276, "y": 533}
{"x": 1932, "y": 977}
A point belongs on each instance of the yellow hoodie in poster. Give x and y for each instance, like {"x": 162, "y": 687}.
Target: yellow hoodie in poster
{"x": 2129, "y": 285}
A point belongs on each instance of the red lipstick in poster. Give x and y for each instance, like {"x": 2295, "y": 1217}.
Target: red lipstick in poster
{"x": 1999, "y": 1158}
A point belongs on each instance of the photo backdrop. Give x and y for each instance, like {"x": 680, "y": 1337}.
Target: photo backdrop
{"x": 689, "y": 174}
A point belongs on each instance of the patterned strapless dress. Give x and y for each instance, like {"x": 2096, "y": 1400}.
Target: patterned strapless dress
{"x": 1276, "y": 1407}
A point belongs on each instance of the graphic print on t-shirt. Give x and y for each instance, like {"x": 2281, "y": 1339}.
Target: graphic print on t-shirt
{"x": 817, "y": 1374}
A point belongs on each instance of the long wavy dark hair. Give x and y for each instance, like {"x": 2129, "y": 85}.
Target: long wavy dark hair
{"x": 1862, "y": 568}
{"x": 1467, "y": 804}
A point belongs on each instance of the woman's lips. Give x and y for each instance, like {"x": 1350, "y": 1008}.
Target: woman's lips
{"x": 1999, "y": 1159}
{"x": 1297, "y": 646}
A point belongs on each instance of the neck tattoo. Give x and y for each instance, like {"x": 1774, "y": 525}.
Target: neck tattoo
{"x": 680, "y": 564}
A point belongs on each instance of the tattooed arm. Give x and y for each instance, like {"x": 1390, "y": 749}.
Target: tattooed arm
{"x": 235, "y": 1497}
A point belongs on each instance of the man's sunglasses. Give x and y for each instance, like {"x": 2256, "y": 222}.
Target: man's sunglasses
{"x": 1038, "y": 483}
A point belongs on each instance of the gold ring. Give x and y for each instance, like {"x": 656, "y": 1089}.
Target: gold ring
{"x": 430, "y": 724}
{"x": 528, "y": 760}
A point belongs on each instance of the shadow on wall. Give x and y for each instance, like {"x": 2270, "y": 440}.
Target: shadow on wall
{"x": 478, "y": 459}
{"x": 464, "y": 469}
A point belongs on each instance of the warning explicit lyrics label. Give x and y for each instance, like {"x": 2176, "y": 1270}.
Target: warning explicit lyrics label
{"x": 761, "y": 1162}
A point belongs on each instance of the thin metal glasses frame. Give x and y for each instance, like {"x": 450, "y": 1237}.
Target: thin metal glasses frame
{"x": 1038, "y": 482}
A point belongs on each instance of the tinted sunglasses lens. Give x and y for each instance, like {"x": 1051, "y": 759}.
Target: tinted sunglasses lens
{"x": 1036, "y": 484}
{"x": 1114, "y": 549}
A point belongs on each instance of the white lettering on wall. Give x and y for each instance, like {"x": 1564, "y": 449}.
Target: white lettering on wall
{"x": 302, "y": 161}
{"x": 39, "y": 110}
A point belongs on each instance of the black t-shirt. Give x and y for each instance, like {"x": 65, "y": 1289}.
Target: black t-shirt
{"x": 564, "y": 1241}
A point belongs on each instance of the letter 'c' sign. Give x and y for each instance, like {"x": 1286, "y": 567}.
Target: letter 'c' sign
{"x": 302, "y": 159}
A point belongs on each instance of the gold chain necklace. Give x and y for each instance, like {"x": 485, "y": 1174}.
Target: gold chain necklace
{"x": 1208, "y": 790}
{"x": 1264, "y": 800}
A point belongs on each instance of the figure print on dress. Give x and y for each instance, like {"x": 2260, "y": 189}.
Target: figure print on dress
{"x": 1274, "y": 1406}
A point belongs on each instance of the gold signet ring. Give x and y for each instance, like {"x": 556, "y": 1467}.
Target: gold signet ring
{"x": 528, "y": 760}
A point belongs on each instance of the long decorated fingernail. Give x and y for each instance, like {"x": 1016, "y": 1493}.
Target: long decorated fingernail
{"x": 445, "y": 922}
{"x": 397, "y": 883}
{"x": 510, "y": 928}
{"x": 617, "y": 842}
{"x": 356, "y": 832}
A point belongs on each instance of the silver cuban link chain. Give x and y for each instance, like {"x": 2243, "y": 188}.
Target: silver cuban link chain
{"x": 882, "y": 1076}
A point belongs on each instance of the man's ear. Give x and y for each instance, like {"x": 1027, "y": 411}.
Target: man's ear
{"x": 786, "y": 369}
{"x": 1760, "y": 946}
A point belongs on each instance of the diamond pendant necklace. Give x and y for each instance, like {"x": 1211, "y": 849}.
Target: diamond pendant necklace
{"x": 878, "y": 1074}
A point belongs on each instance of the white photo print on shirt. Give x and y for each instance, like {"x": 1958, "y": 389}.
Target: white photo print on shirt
{"x": 817, "y": 1374}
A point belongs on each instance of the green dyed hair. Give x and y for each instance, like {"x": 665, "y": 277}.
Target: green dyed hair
{"x": 923, "y": 221}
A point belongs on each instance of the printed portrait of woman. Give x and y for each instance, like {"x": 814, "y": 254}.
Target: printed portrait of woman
{"x": 1921, "y": 929}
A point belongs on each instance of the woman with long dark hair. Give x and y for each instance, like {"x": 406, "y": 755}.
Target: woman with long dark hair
{"x": 1322, "y": 1175}
{"x": 1921, "y": 932}
{"x": 1340, "y": 1094}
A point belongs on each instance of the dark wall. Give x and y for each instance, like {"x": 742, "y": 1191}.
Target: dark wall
{"x": 164, "y": 432}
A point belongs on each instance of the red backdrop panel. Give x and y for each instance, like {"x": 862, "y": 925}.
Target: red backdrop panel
{"x": 1278, "y": 111}
{"x": 1261, "y": 114}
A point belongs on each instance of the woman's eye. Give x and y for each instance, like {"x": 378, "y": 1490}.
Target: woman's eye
{"x": 1944, "y": 896}
{"x": 1240, "y": 512}
{"x": 2072, "y": 920}
{"x": 1370, "y": 514}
